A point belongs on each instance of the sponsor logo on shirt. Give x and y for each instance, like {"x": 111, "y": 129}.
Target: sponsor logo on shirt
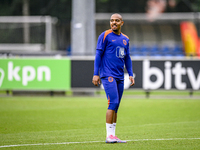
{"x": 120, "y": 53}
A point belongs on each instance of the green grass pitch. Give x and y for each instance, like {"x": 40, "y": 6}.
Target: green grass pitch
{"x": 50, "y": 123}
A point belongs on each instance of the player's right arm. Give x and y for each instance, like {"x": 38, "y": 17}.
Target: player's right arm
{"x": 97, "y": 63}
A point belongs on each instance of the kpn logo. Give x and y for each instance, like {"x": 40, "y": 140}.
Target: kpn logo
{"x": 24, "y": 74}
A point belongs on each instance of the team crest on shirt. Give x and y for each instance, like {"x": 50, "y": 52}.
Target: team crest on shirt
{"x": 124, "y": 41}
{"x": 120, "y": 52}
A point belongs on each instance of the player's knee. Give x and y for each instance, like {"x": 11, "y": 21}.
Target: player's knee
{"x": 113, "y": 106}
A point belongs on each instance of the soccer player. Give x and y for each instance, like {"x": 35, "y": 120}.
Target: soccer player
{"x": 112, "y": 53}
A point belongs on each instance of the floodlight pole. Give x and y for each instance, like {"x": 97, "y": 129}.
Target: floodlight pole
{"x": 83, "y": 27}
{"x": 48, "y": 34}
{"x": 26, "y": 25}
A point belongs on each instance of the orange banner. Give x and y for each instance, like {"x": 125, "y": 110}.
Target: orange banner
{"x": 190, "y": 38}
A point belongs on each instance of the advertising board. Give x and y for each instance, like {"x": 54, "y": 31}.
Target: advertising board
{"x": 35, "y": 74}
{"x": 149, "y": 74}
{"x": 65, "y": 74}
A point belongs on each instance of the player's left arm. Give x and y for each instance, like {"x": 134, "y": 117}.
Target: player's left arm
{"x": 128, "y": 64}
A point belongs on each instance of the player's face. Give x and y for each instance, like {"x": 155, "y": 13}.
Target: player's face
{"x": 116, "y": 23}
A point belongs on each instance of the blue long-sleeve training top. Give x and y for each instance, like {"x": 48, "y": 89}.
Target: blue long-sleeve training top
{"x": 112, "y": 53}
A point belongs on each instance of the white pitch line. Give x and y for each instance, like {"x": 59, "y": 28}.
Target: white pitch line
{"x": 170, "y": 139}
{"x": 65, "y": 143}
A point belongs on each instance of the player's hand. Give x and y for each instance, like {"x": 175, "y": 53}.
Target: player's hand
{"x": 132, "y": 80}
{"x": 96, "y": 80}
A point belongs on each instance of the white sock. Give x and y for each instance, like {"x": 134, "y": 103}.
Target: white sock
{"x": 114, "y": 126}
{"x": 109, "y": 129}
